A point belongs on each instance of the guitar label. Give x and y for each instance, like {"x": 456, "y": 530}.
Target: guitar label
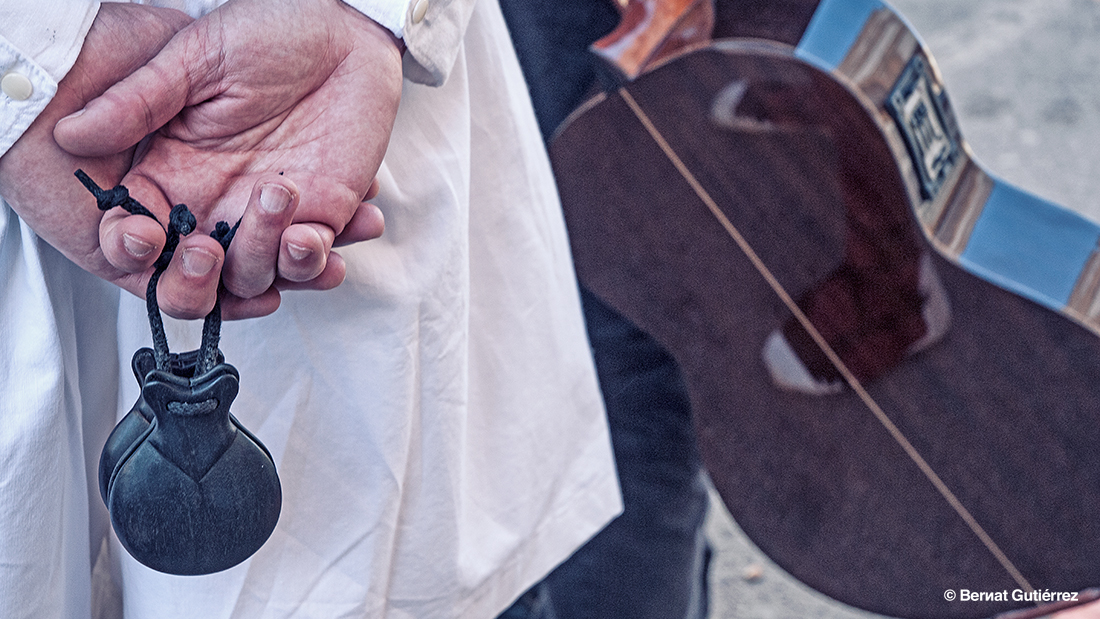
{"x": 922, "y": 112}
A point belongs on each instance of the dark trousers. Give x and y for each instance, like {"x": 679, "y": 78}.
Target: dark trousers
{"x": 650, "y": 563}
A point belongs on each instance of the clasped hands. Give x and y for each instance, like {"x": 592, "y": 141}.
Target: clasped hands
{"x": 274, "y": 113}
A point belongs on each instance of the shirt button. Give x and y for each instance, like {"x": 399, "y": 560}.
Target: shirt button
{"x": 419, "y": 9}
{"x": 18, "y": 87}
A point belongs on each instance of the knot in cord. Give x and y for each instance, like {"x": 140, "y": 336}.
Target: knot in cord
{"x": 107, "y": 199}
{"x": 181, "y": 222}
{"x": 223, "y": 234}
{"x": 111, "y": 198}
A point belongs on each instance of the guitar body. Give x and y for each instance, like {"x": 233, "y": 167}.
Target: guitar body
{"x": 956, "y": 455}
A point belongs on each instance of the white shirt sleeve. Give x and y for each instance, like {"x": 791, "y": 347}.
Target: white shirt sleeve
{"x": 389, "y": 13}
{"x": 432, "y": 30}
{"x": 39, "y": 42}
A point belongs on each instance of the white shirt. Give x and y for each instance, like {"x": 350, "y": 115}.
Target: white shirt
{"x": 435, "y": 420}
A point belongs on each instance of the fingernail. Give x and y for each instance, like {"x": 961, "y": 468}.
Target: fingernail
{"x": 274, "y": 198}
{"x": 298, "y": 252}
{"x": 74, "y": 114}
{"x": 198, "y": 262}
{"x": 136, "y": 247}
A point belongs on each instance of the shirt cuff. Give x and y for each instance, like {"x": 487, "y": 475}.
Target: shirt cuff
{"x": 37, "y": 49}
{"x": 26, "y": 90}
{"x": 391, "y": 14}
{"x": 52, "y": 32}
{"x": 432, "y": 31}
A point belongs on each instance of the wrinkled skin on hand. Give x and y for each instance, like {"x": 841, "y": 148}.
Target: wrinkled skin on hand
{"x": 36, "y": 175}
{"x": 277, "y": 112}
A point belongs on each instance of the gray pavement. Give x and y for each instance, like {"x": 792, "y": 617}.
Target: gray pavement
{"x": 1024, "y": 78}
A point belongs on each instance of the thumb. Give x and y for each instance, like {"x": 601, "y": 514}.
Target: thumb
{"x": 129, "y": 110}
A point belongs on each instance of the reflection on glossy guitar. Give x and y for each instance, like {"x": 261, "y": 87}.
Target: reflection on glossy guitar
{"x": 892, "y": 356}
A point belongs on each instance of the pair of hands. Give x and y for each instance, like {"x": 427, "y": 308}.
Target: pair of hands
{"x": 274, "y": 113}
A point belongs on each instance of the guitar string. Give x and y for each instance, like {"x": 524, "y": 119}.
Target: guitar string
{"x": 849, "y": 377}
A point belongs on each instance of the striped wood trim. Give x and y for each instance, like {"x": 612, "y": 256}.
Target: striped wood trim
{"x": 962, "y": 206}
{"x": 874, "y": 64}
{"x": 879, "y": 55}
{"x": 1084, "y": 301}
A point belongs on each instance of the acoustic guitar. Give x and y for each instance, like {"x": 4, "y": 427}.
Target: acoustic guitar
{"x": 892, "y": 355}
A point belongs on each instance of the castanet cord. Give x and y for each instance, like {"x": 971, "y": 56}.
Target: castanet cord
{"x": 181, "y": 222}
